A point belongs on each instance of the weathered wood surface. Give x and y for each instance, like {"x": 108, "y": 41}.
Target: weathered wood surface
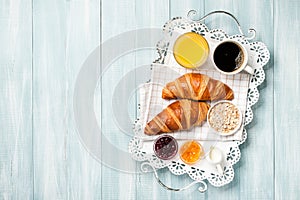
{"x": 44, "y": 44}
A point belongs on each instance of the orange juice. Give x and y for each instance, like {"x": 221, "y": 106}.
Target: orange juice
{"x": 191, "y": 50}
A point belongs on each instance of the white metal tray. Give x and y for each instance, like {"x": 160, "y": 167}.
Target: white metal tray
{"x": 142, "y": 150}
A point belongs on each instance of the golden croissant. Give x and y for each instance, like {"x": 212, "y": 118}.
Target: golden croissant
{"x": 180, "y": 115}
{"x": 198, "y": 87}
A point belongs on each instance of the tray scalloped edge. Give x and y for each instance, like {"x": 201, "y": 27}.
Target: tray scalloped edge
{"x": 260, "y": 55}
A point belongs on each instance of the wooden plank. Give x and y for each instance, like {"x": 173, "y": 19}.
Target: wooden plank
{"x": 254, "y": 172}
{"x": 117, "y": 17}
{"x": 50, "y": 99}
{"x": 286, "y": 98}
{"x": 16, "y": 169}
{"x": 62, "y": 45}
{"x": 82, "y": 37}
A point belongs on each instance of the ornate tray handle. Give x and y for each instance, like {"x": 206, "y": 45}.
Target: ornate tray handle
{"x": 250, "y": 31}
{"x": 145, "y": 168}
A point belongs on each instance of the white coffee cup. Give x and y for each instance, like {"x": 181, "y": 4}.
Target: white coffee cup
{"x": 221, "y": 53}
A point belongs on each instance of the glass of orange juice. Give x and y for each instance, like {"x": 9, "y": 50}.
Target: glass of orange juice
{"x": 191, "y": 50}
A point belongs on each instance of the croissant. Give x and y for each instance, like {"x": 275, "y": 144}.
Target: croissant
{"x": 197, "y": 87}
{"x": 180, "y": 115}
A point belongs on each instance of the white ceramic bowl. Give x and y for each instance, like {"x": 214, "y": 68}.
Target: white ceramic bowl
{"x": 230, "y": 132}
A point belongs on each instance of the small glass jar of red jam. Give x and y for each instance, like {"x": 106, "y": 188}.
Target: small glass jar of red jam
{"x": 191, "y": 151}
{"x": 165, "y": 147}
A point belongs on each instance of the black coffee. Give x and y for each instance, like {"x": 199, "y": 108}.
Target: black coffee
{"x": 228, "y": 57}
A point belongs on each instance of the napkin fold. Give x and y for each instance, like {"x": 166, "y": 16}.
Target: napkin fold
{"x": 151, "y": 102}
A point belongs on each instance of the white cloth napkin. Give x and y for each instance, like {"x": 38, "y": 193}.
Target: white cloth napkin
{"x": 151, "y": 102}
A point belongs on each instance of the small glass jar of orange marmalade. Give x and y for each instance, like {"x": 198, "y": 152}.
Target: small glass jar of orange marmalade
{"x": 191, "y": 151}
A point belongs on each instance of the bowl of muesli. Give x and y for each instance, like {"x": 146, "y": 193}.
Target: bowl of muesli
{"x": 224, "y": 117}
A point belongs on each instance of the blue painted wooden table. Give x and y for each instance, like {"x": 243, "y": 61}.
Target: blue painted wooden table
{"x": 43, "y": 46}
